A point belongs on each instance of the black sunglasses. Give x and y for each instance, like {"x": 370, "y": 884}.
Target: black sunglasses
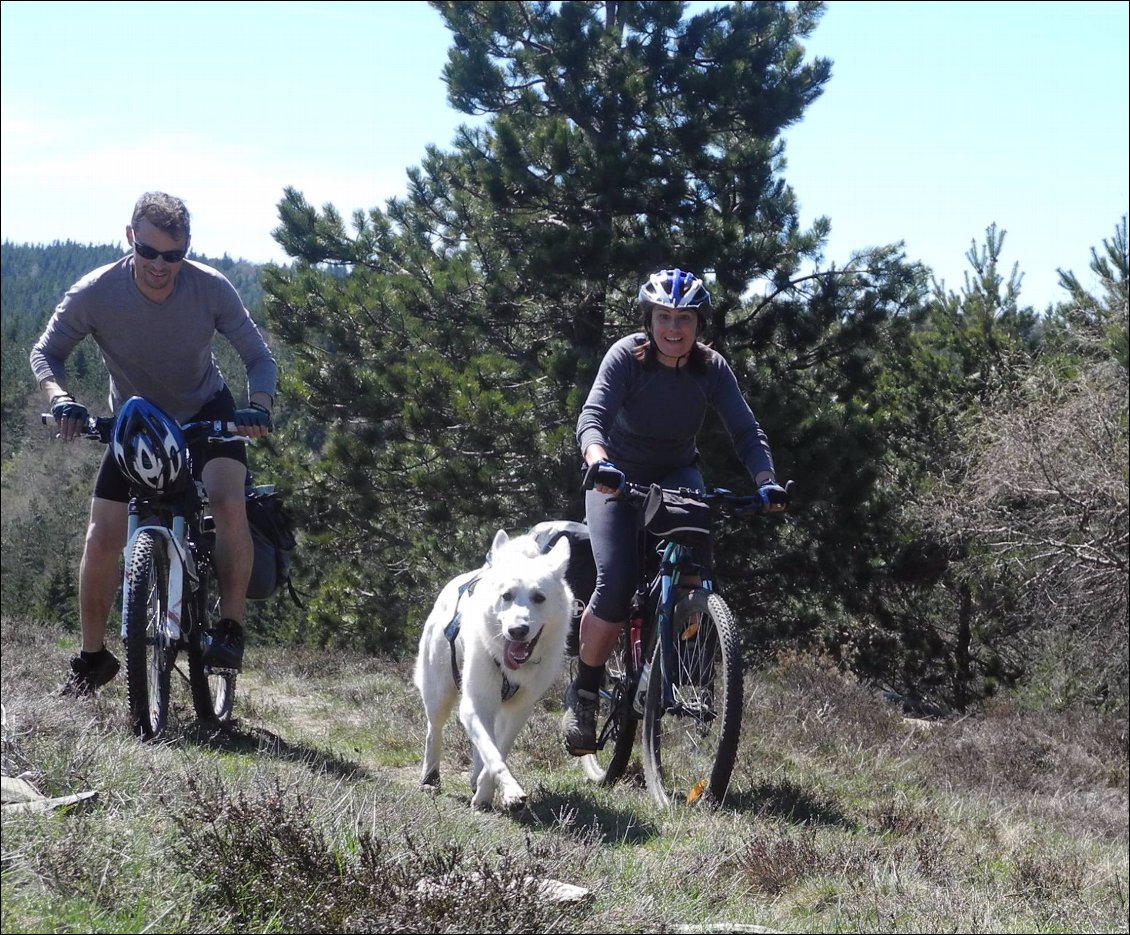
{"x": 146, "y": 252}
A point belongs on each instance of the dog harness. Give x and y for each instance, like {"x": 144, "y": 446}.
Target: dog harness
{"x": 451, "y": 632}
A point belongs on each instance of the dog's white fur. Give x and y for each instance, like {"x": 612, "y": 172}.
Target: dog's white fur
{"x": 513, "y": 624}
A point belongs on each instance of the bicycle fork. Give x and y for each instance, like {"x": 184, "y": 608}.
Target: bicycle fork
{"x": 670, "y": 582}
{"x": 179, "y": 560}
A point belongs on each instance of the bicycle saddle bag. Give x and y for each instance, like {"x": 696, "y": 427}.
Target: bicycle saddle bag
{"x": 581, "y": 573}
{"x": 679, "y": 519}
{"x": 272, "y": 535}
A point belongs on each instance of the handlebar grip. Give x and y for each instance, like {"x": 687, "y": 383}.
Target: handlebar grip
{"x": 601, "y": 472}
{"x": 96, "y": 428}
{"x": 769, "y": 496}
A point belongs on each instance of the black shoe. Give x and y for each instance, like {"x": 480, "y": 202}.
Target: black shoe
{"x": 223, "y": 647}
{"x": 578, "y": 725}
{"x": 89, "y": 672}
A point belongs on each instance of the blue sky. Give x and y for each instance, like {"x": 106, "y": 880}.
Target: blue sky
{"x": 940, "y": 119}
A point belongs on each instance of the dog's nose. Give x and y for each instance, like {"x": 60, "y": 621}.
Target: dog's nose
{"x": 519, "y": 632}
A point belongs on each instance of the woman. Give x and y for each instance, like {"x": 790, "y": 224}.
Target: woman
{"x": 640, "y": 421}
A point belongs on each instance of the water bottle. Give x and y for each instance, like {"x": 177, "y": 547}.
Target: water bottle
{"x": 641, "y": 688}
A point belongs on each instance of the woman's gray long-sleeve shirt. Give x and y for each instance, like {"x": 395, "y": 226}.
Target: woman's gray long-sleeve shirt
{"x": 648, "y": 419}
{"x": 159, "y": 350}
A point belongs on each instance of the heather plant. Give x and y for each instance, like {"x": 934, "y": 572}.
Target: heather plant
{"x": 846, "y": 814}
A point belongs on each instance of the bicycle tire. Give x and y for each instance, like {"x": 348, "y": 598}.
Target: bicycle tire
{"x": 150, "y": 653}
{"x": 615, "y": 720}
{"x": 689, "y": 752}
{"x": 213, "y": 691}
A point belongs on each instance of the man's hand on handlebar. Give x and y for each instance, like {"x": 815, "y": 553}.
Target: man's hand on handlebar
{"x": 69, "y": 415}
{"x": 254, "y": 421}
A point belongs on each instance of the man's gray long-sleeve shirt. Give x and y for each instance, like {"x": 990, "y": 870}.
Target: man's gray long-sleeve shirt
{"x": 648, "y": 419}
{"x": 159, "y": 350}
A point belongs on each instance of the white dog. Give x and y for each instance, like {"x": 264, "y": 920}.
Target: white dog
{"x": 511, "y": 616}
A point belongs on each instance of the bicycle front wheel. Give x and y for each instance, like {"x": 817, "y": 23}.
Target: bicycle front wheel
{"x": 615, "y": 720}
{"x": 690, "y": 746}
{"x": 150, "y": 652}
{"x": 213, "y": 690}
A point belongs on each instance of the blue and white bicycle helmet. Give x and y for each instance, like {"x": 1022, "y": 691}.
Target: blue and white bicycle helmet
{"x": 674, "y": 288}
{"x": 149, "y": 446}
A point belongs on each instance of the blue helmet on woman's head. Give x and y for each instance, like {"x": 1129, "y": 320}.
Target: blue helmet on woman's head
{"x": 674, "y": 288}
{"x": 149, "y": 446}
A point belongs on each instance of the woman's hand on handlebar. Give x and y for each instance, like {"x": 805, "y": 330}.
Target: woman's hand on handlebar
{"x": 774, "y": 497}
{"x": 604, "y": 477}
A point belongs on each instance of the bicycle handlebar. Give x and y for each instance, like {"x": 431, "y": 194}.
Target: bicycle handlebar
{"x": 100, "y": 428}
{"x": 726, "y": 501}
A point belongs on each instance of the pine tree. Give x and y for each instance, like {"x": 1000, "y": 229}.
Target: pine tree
{"x": 445, "y": 344}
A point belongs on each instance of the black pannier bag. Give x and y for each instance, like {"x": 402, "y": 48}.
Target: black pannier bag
{"x": 272, "y": 534}
{"x": 679, "y": 519}
{"x": 581, "y": 573}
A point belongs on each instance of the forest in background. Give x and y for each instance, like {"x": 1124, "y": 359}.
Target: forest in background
{"x": 961, "y": 522}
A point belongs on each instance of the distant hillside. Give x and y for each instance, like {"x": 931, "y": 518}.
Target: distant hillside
{"x": 35, "y": 277}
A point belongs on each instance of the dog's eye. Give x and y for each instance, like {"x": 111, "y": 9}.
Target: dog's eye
{"x": 508, "y": 596}
{"x": 539, "y": 598}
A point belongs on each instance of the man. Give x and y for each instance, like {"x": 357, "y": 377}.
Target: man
{"x": 154, "y": 315}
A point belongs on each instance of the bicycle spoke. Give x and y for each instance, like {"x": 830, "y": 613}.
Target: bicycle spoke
{"x": 213, "y": 690}
{"x": 689, "y": 748}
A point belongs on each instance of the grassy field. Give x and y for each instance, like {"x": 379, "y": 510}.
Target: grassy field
{"x": 305, "y": 816}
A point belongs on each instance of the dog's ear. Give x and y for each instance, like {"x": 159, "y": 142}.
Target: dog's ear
{"x": 559, "y": 555}
{"x": 500, "y": 539}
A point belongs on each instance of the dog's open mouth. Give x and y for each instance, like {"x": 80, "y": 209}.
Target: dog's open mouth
{"x": 515, "y": 652}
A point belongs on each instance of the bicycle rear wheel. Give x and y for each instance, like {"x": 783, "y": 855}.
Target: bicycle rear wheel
{"x": 213, "y": 690}
{"x": 150, "y": 652}
{"x": 615, "y": 720}
{"x": 689, "y": 749}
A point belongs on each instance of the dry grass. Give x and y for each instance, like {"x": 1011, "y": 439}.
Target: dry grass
{"x": 305, "y": 816}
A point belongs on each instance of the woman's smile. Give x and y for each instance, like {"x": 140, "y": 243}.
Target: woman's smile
{"x": 674, "y": 331}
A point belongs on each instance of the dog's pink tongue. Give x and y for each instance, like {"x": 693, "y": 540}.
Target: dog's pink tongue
{"x": 515, "y": 653}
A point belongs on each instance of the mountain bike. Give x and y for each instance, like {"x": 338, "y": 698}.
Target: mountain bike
{"x": 676, "y": 667}
{"x": 170, "y": 592}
